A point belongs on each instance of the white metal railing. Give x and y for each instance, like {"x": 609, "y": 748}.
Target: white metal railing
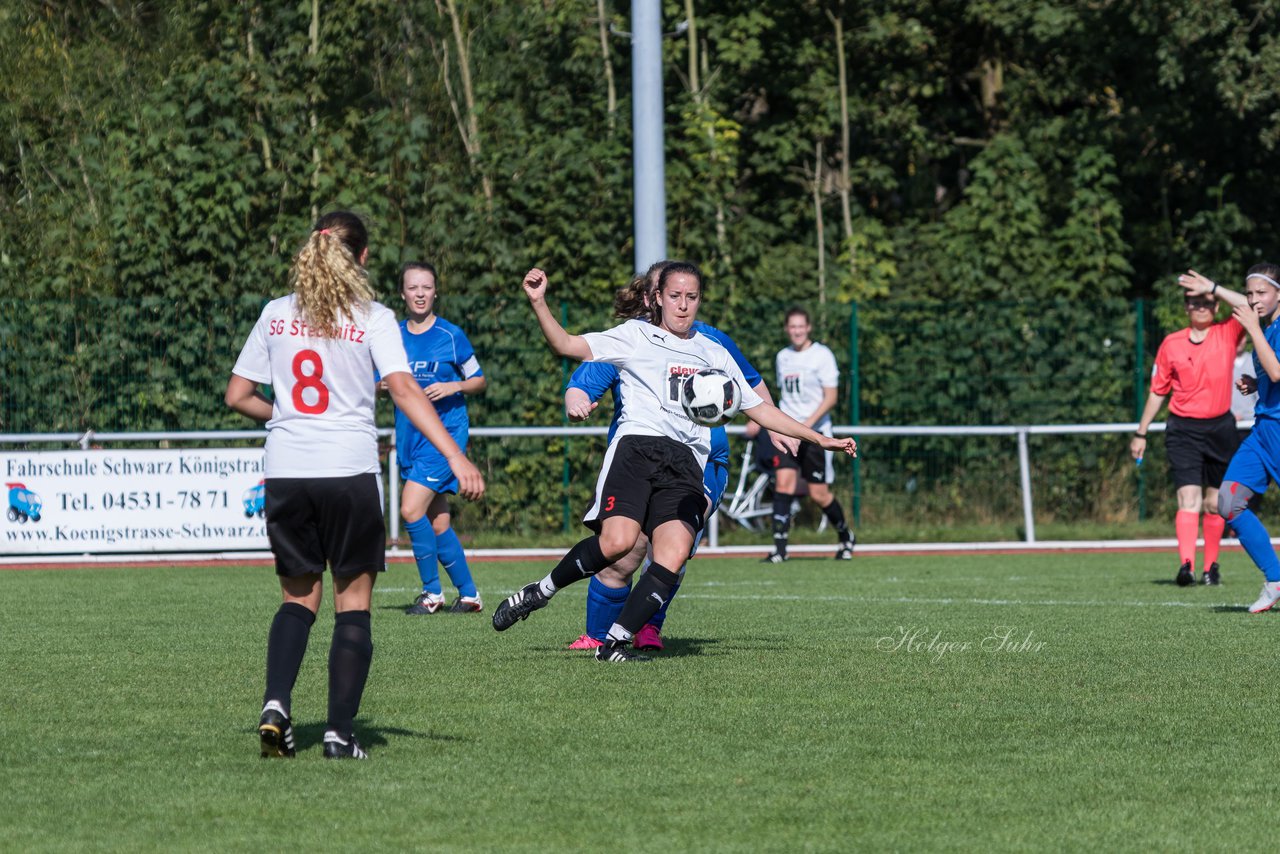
{"x": 1019, "y": 432}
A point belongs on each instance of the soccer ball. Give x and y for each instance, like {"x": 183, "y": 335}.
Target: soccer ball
{"x": 710, "y": 397}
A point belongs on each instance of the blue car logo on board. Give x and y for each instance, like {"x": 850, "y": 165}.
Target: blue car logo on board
{"x": 255, "y": 500}
{"x": 23, "y": 504}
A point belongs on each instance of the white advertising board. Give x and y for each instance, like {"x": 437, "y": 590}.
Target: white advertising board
{"x": 87, "y": 502}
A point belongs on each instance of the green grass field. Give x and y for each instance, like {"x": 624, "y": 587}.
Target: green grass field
{"x": 813, "y": 706}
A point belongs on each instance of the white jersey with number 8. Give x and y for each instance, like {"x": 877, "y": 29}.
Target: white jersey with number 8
{"x": 322, "y": 421}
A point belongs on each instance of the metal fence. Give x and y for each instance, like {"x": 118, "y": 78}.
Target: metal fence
{"x": 1014, "y": 449}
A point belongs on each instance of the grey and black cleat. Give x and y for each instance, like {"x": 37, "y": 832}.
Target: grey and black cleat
{"x": 518, "y": 606}
{"x": 844, "y": 551}
{"x": 275, "y": 732}
{"x": 1211, "y": 576}
{"x": 336, "y": 747}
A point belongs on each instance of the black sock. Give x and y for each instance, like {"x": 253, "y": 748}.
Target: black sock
{"x": 286, "y": 645}
{"x": 349, "y": 657}
{"x": 781, "y": 521}
{"x": 835, "y": 515}
{"x": 647, "y": 595}
{"x": 583, "y": 561}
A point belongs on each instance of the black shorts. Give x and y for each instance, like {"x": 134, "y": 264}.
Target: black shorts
{"x": 1200, "y": 448}
{"x": 651, "y": 479}
{"x": 313, "y": 521}
{"x": 810, "y": 460}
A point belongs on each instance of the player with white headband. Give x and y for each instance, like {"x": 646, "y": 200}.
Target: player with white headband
{"x": 1257, "y": 462}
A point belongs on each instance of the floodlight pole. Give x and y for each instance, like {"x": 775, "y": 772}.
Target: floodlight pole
{"x": 650, "y": 209}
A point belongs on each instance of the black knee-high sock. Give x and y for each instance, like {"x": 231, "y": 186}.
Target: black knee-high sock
{"x": 349, "y": 657}
{"x": 286, "y": 645}
{"x": 583, "y": 561}
{"x": 647, "y": 596}
{"x": 835, "y": 515}
{"x": 781, "y": 521}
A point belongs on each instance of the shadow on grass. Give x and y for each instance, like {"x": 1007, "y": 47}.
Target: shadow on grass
{"x": 678, "y": 647}
{"x": 312, "y": 735}
{"x": 1230, "y": 609}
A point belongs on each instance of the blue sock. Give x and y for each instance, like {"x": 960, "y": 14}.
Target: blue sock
{"x": 1257, "y": 542}
{"x": 424, "y": 552}
{"x": 455, "y": 563}
{"x": 661, "y": 617}
{"x": 604, "y": 604}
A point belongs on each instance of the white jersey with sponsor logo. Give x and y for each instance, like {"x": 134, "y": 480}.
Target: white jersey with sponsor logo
{"x": 653, "y": 364}
{"x": 802, "y": 375}
{"x": 322, "y": 419}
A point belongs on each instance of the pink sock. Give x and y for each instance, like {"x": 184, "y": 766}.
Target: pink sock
{"x": 1214, "y": 525}
{"x": 1187, "y": 525}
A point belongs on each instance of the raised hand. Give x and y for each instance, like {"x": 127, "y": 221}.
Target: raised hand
{"x": 1248, "y": 317}
{"x": 535, "y": 285}
{"x": 1195, "y": 283}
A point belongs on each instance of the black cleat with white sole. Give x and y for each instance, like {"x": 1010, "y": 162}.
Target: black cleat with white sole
{"x": 617, "y": 652}
{"x": 518, "y": 606}
{"x": 275, "y": 733}
{"x": 337, "y": 747}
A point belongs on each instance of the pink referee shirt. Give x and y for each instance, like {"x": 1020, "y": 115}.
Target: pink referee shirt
{"x": 1198, "y": 375}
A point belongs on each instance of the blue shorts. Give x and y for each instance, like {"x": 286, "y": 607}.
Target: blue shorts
{"x": 715, "y": 477}
{"x": 429, "y": 469}
{"x": 1258, "y": 458}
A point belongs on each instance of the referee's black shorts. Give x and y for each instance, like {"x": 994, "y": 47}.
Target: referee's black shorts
{"x": 314, "y": 521}
{"x": 1200, "y": 448}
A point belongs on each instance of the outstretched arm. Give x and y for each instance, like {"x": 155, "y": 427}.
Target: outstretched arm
{"x": 775, "y": 420}
{"x": 562, "y": 343}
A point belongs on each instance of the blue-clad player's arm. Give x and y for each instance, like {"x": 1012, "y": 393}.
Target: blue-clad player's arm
{"x": 586, "y": 386}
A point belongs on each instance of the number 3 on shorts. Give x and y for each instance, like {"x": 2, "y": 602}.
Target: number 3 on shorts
{"x": 608, "y": 504}
{"x": 302, "y": 382}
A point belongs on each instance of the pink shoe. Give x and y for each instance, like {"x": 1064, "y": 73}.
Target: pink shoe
{"x": 585, "y": 642}
{"x": 648, "y": 638}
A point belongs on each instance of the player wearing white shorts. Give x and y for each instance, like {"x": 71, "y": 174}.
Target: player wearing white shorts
{"x": 651, "y": 480}
{"x": 318, "y": 349}
{"x": 808, "y": 380}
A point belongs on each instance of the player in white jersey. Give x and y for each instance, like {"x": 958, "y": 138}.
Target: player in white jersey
{"x": 808, "y": 380}
{"x": 318, "y": 348}
{"x": 651, "y": 480}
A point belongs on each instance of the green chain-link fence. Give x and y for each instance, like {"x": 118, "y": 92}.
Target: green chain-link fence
{"x": 135, "y": 366}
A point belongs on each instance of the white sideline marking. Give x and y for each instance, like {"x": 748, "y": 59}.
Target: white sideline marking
{"x": 914, "y": 600}
{"x": 1038, "y": 547}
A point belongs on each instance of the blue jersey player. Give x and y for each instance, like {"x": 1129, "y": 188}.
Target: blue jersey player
{"x": 608, "y": 590}
{"x": 1257, "y": 461}
{"x": 445, "y": 366}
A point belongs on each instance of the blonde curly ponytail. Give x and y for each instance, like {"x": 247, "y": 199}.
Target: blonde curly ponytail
{"x": 328, "y": 276}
